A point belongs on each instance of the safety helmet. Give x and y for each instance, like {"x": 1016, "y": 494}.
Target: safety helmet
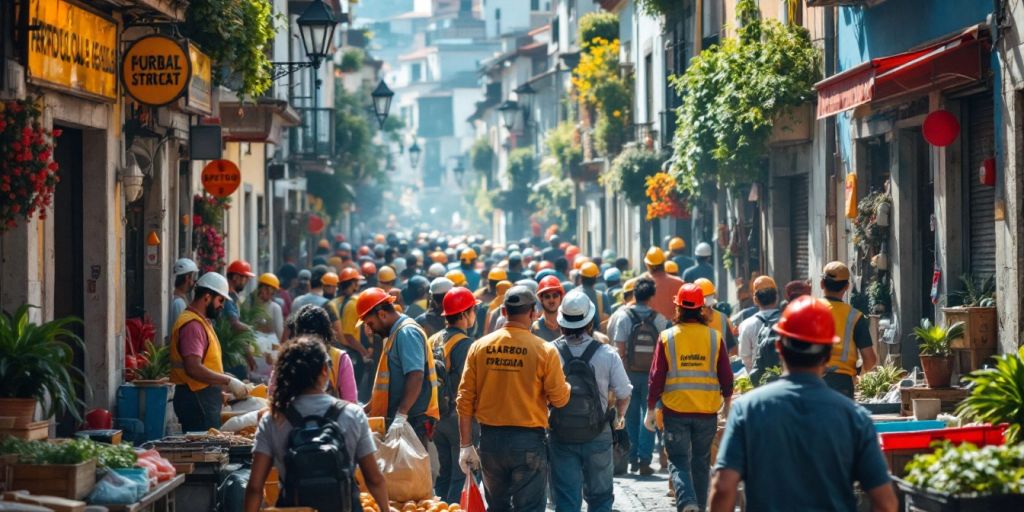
{"x": 576, "y": 310}
{"x": 690, "y": 296}
{"x": 270, "y": 280}
{"x": 441, "y": 285}
{"x": 589, "y": 269}
{"x": 348, "y": 274}
{"x": 368, "y": 268}
{"x": 579, "y": 261}
{"x": 334, "y": 261}
{"x": 629, "y": 285}
{"x": 809, "y": 320}
{"x": 608, "y": 255}
{"x": 671, "y": 267}
{"x": 184, "y": 266}
{"x": 571, "y": 252}
{"x": 655, "y": 256}
{"x": 323, "y": 244}
{"x": 676, "y": 244}
{"x": 550, "y": 283}
{"x": 497, "y": 274}
{"x": 763, "y": 283}
{"x": 386, "y": 274}
{"x": 435, "y": 270}
{"x": 457, "y": 300}
{"x": 371, "y": 298}
{"x": 467, "y": 255}
{"x": 329, "y": 279}
{"x": 703, "y": 249}
{"x": 457, "y": 277}
{"x": 502, "y": 287}
{"x": 546, "y": 265}
{"x": 706, "y": 286}
{"x": 363, "y": 250}
{"x": 214, "y": 282}
{"x": 240, "y": 267}
{"x": 612, "y": 275}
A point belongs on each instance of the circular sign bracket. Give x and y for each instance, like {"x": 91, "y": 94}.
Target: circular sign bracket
{"x": 156, "y": 70}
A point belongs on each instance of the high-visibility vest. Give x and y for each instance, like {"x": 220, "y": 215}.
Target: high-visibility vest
{"x": 379, "y": 397}
{"x": 691, "y": 384}
{"x": 335, "y": 354}
{"x": 211, "y": 358}
{"x": 844, "y": 353}
{"x": 720, "y": 323}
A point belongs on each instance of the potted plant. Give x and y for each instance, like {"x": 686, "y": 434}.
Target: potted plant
{"x": 873, "y": 386}
{"x": 977, "y": 311}
{"x": 936, "y": 354}
{"x": 965, "y": 477}
{"x": 37, "y": 367}
{"x": 997, "y": 396}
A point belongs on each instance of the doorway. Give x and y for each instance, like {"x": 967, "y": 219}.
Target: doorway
{"x": 924, "y": 224}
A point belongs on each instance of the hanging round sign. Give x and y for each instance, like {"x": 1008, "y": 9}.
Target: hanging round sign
{"x": 314, "y": 224}
{"x": 940, "y": 128}
{"x": 221, "y": 178}
{"x": 156, "y": 70}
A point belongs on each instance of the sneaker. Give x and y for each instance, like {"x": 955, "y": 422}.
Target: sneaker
{"x": 633, "y": 467}
{"x": 689, "y": 508}
{"x": 646, "y": 469}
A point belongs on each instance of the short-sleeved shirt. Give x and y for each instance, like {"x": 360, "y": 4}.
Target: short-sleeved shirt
{"x": 540, "y": 330}
{"x": 698, "y": 271}
{"x": 666, "y": 286}
{"x": 231, "y": 311}
{"x": 309, "y": 298}
{"x": 192, "y": 340}
{"x": 178, "y": 305}
{"x": 431, "y": 322}
{"x": 272, "y": 433}
{"x": 820, "y": 440}
{"x": 622, "y": 327}
{"x": 861, "y": 331}
{"x": 749, "y": 331}
{"x": 407, "y": 355}
{"x": 350, "y": 319}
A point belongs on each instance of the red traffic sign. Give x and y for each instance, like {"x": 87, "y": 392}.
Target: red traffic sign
{"x": 221, "y": 178}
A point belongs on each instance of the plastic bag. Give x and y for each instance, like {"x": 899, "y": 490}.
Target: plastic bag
{"x": 161, "y": 468}
{"x": 117, "y": 488}
{"x": 236, "y": 423}
{"x": 472, "y": 499}
{"x": 406, "y": 466}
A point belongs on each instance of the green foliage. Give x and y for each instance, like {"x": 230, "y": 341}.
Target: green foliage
{"x": 742, "y": 385}
{"x": 158, "y": 363}
{"x": 998, "y": 396}
{"x": 37, "y": 361}
{"x": 553, "y": 201}
{"x": 562, "y": 143}
{"x": 351, "y": 60}
{"x": 235, "y": 34}
{"x": 732, "y": 93}
{"x": 934, "y": 339}
{"x": 235, "y": 345}
{"x": 600, "y": 24}
{"x": 522, "y": 168}
{"x": 770, "y": 375}
{"x": 659, "y": 7}
{"x": 867, "y": 234}
{"x": 878, "y": 382}
{"x": 976, "y": 293}
{"x": 967, "y": 469}
{"x": 629, "y": 172}
{"x": 481, "y": 157}
{"x": 72, "y": 451}
{"x": 880, "y": 295}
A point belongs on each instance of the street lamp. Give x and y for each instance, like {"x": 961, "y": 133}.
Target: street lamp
{"x": 525, "y": 94}
{"x": 508, "y": 111}
{"x": 316, "y": 29}
{"x": 382, "y": 102}
{"x": 414, "y": 154}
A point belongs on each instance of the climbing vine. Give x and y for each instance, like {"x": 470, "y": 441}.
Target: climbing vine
{"x": 236, "y": 34}
{"x": 629, "y": 172}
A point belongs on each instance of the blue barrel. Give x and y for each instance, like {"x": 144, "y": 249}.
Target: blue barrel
{"x": 141, "y": 412}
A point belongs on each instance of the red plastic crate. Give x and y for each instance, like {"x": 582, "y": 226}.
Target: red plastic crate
{"x": 984, "y": 435}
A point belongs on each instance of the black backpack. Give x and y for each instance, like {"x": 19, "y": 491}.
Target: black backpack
{"x": 643, "y": 339}
{"x": 583, "y": 418}
{"x": 765, "y": 355}
{"x": 446, "y": 391}
{"x": 319, "y": 471}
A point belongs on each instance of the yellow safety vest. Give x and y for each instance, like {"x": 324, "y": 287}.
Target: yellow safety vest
{"x": 844, "y": 353}
{"x": 335, "y": 354}
{"x": 691, "y": 384}
{"x": 211, "y": 359}
{"x": 379, "y": 397}
{"x": 439, "y": 345}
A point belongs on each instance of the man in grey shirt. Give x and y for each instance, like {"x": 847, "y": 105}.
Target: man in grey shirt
{"x": 185, "y": 273}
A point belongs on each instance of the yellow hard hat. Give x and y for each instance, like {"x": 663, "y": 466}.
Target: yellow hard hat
{"x": 589, "y": 269}
{"x": 497, "y": 274}
{"x": 269, "y": 280}
{"x": 456, "y": 277}
{"x": 706, "y": 286}
{"x": 671, "y": 267}
{"x": 655, "y": 256}
{"x": 386, "y": 274}
{"x": 676, "y": 244}
{"x": 329, "y": 279}
{"x": 629, "y": 286}
{"x": 764, "y": 283}
{"x": 467, "y": 255}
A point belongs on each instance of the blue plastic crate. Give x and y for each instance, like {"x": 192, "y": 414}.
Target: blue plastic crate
{"x": 142, "y": 412}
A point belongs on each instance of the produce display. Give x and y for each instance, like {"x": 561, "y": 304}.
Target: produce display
{"x": 967, "y": 469}
{"x": 75, "y": 451}
{"x": 428, "y": 505}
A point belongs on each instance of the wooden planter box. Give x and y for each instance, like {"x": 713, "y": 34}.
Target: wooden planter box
{"x": 981, "y": 327}
{"x": 63, "y": 480}
{"x": 924, "y": 500}
{"x": 950, "y": 397}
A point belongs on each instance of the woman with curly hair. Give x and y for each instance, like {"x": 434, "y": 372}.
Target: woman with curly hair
{"x": 300, "y": 377}
{"x": 314, "y": 320}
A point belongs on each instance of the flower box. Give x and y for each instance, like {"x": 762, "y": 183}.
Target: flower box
{"x": 981, "y": 327}
{"x": 924, "y": 500}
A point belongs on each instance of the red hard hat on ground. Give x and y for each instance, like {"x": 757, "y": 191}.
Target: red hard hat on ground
{"x": 457, "y": 300}
{"x": 548, "y": 284}
{"x": 809, "y": 320}
{"x": 690, "y": 296}
{"x": 348, "y": 274}
{"x": 241, "y": 267}
{"x": 369, "y": 268}
{"x": 371, "y": 298}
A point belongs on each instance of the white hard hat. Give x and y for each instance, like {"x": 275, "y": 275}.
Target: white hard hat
{"x": 703, "y": 249}
{"x": 215, "y": 282}
{"x": 441, "y": 285}
{"x": 436, "y": 270}
{"x": 576, "y": 310}
{"x": 184, "y": 266}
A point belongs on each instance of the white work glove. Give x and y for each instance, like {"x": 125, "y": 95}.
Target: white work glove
{"x": 469, "y": 460}
{"x": 649, "y": 423}
{"x": 398, "y": 423}
{"x": 237, "y": 388}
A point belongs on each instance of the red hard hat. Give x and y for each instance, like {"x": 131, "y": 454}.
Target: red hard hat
{"x": 457, "y": 300}
{"x": 571, "y": 251}
{"x": 545, "y": 265}
{"x": 348, "y": 274}
{"x": 369, "y": 268}
{"x": 690, "y": 296}
{"x": 241, "y": 267}
{"x": 371, "y": 298}
{"x": 364, "y": 250}
{"x": 550, "y": 283}
{"x": 809, "y": 320}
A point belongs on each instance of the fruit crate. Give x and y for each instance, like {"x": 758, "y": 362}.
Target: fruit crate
{"x": 916, "y": 499}
{"x": 72, "y": 481}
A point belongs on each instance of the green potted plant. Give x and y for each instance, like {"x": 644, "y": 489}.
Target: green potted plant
{"x": 977, "y": 311}
{"x": 965, "y": 477}
{"x": 997, "y": 396}
{"x": 37, "y": 367}
{"x": 936, "y": 354}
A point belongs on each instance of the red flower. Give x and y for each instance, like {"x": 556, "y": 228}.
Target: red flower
{"x": 57, "y": 132}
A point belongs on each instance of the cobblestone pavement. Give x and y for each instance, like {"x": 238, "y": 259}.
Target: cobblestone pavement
{"x": 643, "y": 493}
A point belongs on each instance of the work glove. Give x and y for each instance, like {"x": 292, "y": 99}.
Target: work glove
{"x": 237, "y": 388}
{"x": 649, "y": 421}
{"x": 398, "y": 424}
{"x": 469, "y": 460}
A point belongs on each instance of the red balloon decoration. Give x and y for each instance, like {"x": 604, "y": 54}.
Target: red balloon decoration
{"x": 314, "y": 224}
{"x": 940, "y": 128}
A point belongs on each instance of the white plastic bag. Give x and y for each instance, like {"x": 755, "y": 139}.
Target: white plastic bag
{"x": 236, "y": 423}
{"x": 406, "y": 466}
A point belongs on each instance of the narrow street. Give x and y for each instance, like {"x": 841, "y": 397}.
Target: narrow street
{"x": 643, "y": 493}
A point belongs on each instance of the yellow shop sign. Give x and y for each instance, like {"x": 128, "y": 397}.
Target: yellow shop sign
{"x": 200, "y": 88}
{"x": 72, "y": 48}
{"x": 156, "y": 70}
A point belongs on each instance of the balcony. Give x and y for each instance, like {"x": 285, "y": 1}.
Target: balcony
{"x": 668, "y": 127}
{"x": 313, "y": 138}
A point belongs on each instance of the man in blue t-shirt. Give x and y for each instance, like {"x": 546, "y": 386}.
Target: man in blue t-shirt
{"x": 795, "y": 443}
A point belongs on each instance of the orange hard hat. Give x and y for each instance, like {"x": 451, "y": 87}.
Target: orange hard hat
{"x": 369, "y": 268}
{"x": 550, "y": 283}
{"x": 589, "y": 269}
{"x": 364, "y": 250}
{"x": 809, "y": 320}
{"x": 572, "y": 251}
{"x": 439, "y": 257}
{"x": 348, "y": 274}
{"x": 457, "y": 300}
{"x": 544, "y": 265}
{"x": 329, "y": 279}
{"x": 371, "y": 298}
{"x": 240, "y": 267}
{"x": 690, "y": 297}
{"x": 579, "y": 261}
{"x": 386, "y": 274}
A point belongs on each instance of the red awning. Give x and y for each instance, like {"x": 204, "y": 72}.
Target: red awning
{"x": 950, "y": 63}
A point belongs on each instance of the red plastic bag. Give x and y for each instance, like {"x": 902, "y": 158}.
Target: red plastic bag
{"x": 472, "y": 499}
{"x": 162, "y": 469}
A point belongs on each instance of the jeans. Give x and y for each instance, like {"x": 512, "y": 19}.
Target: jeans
{"x": 688, "y": 443}
{"x": 450, "y": 479}
{"x": 197, "y": 411}
{"x": 641, "y": 440}
{"x": 584, "y": 466}
{"x": 514, "y": 463}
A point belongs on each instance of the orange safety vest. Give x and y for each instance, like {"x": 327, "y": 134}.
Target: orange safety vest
{"x": 440, "y": 346}
{"x": 844, "y": 354}
{"x": 691, "y": 384}
{"x": 211, "y": 358}
{"x": 720, "y": 323}
{"x": 379, "y": 397}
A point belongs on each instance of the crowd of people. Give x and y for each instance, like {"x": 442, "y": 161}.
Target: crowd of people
{"x": 546, "y": 371}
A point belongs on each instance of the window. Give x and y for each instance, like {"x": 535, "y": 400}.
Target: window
{"x": 711, "y": 22}
{"x": 417, "y": 73}
{"x": 534, "y": 5}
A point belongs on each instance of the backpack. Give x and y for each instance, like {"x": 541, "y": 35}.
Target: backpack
{"x": 765, "y": 355}
{"x": 446, "y": 391}
{"x": 319, "y": 472}
{"x": 643, "y": 338}
{"x": 583, "y": 418}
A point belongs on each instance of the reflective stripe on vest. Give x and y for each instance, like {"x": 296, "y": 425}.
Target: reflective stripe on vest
{"x": 692, "y": 390}
{"x": 379, "y": 397}
{"x": 844, "y": 358}
{"x": 211, "y": 358}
